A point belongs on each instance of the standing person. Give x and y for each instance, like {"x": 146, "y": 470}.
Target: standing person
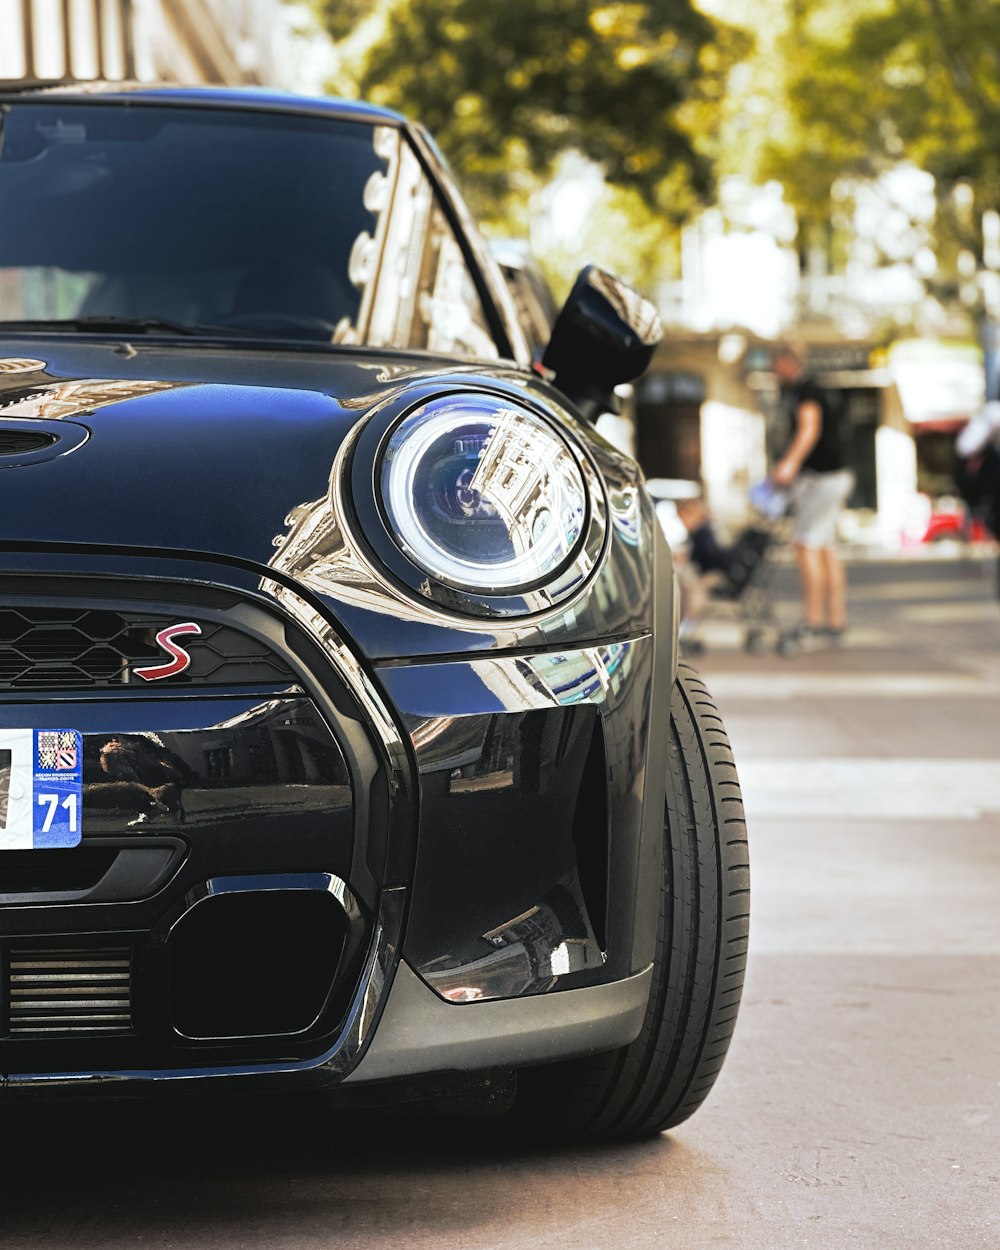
{"x": 978, "y": 470}
{"x": 819, "y": 483}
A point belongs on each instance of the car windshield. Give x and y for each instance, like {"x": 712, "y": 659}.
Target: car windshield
{"x": 185, "y": 220}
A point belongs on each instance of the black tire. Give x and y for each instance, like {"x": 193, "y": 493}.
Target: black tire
{"x": 701, "y": 945}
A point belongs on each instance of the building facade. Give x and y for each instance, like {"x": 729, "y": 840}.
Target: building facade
{"x": 185, "y": 41}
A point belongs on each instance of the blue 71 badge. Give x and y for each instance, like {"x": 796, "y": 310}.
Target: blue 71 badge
{"x": 41, "y": 788}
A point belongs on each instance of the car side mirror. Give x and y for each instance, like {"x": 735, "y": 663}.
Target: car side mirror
{"x": 605, "y": 334}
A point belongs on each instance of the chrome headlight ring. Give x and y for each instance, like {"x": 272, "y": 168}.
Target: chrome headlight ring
{"x": 478, "y": 500}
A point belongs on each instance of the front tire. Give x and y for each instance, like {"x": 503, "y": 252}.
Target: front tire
{"x": 700, "y": 957}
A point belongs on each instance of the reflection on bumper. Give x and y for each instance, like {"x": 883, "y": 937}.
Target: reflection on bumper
{"x": 420, "y": 1033}
{"x": 532, "y": 779}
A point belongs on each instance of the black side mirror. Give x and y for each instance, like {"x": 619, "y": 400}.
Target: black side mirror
{"x": 605, "y": 334}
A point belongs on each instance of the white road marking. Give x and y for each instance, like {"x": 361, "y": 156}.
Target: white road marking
{"x": 950, "y": 613}
{"x": 857, "y": 789}
{"x": 770, "y": 686}
{"x": 966, "y": 592}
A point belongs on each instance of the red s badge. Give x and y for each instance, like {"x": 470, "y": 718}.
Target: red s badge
{"x": 180, "y": 660}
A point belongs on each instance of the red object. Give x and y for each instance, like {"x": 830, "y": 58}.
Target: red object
{"x": 180, "y": 660}
{"x": 944, "y": 525}
{"x": 955, "y": 525}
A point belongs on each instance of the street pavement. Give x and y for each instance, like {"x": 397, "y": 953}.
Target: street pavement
{"x": 860, "y": 1104}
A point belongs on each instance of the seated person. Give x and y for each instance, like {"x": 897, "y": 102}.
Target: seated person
{"x": 702, "y": 565}
{"x": 704, "y": 547}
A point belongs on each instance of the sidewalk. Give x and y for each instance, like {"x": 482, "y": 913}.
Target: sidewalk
{"x": 908, "y": 613}
{"x": 860, "y": 1106}
{"x": 947, "y": 551}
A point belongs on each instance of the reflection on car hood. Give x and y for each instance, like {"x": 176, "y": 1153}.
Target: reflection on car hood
{"x": 198, "y": 451}
{"x": 190, "y": 450}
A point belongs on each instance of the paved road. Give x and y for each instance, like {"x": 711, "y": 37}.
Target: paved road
{"x": 860, "y": 1106}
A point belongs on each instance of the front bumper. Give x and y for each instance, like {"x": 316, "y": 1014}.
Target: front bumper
{"x": 484, "y": 915}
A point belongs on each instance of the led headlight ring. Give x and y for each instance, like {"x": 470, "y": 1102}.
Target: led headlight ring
{"x": 482, "y": 494}
{"x": 484, "y": 504}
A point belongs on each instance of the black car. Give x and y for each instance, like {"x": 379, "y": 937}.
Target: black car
{"x": 343, "y": 739}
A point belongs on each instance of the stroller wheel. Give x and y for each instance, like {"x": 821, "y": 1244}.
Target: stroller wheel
{"x": 753, "y": 641}
{"x": 788, "y": 645}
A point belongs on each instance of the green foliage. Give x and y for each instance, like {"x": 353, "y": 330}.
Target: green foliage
{"x": 341, "y": 17}
{"x": 863, "y": 91}
{"x": 618, "y": 231}
{"x": 877, "y": 82}
{"x": 506, "y": 86}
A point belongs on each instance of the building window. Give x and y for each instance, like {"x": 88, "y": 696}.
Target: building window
{"x": 218, "y": 763}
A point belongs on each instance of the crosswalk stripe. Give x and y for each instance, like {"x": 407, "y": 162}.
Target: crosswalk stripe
{"x": 770, "y": 686}
{"x": 896, "y": 789}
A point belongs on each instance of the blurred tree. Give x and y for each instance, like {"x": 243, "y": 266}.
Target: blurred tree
{"x": 506, "y": 86}
{"x": 578, "y": 217}
{"x": 873, "y": 84}
{"x": 342, "y": 17}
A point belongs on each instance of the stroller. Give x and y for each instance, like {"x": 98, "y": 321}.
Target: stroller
{"x": 747, "y": 586}
{"x": 741, "y": 572}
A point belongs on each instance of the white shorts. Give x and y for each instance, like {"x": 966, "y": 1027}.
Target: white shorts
{"x": 817, "y": 499}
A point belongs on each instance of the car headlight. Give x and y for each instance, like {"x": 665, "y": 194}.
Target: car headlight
{"x": 482, "y": 494}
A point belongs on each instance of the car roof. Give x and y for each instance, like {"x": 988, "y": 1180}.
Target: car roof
{"x": 262, "y": 98}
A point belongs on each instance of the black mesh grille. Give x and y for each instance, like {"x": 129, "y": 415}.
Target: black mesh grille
{"x": 79, "y": 649}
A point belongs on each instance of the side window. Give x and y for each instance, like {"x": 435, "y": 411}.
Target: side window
{"x": 450, "y": 315}
{"x": 426, "y": 296}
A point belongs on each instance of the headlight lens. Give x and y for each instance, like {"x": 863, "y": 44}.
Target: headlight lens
{"x": 482, "y": 494}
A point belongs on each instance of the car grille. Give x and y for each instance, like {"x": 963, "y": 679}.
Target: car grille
{"x": 80, "y": 649}
{"x": 51, "y": 992}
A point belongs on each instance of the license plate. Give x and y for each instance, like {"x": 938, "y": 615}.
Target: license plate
{"x": 41, "y": 788}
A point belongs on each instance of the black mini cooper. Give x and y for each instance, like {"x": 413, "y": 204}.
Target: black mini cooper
{"x": 343, "y": 739}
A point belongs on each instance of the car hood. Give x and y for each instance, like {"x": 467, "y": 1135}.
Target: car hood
{"x": 191, "y": 453}
{"x": 189, "y": 450}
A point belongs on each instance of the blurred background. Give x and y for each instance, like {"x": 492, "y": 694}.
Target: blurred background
{"x": 825, "y": 170}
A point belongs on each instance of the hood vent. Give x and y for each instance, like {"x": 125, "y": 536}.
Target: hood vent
{"x": 17, "y": 442}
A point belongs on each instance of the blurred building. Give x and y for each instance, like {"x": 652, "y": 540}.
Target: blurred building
{"x": 187, "y": 41}
{"x": 697, "y": 420}
{"x": 709, "y": 409}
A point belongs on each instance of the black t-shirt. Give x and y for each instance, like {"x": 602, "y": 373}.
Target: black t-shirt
{"x": 826, "y": 456}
